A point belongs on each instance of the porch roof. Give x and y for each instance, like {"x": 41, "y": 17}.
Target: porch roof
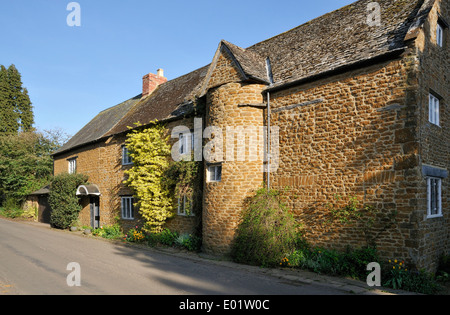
{"x": 88, "y": 190}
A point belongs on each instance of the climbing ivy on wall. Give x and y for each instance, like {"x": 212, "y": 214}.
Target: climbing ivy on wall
{"x": 184, "y": 179}
{"x": 150, "y": 151}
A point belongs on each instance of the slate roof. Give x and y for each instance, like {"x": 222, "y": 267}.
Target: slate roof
{"x": 171, "y": 99}
{"x": 99, "y": 125}
{"x": 330, "y": 42}
{"x": 336, "y": 39}
{"x": 253, "y": 65}
{"x": 43, "y": 191}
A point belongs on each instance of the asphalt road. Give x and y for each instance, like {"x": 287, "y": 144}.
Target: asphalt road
{"x": 34, "y": 260}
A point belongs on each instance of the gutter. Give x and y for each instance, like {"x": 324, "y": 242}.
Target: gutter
{"x": 270, "y": 77}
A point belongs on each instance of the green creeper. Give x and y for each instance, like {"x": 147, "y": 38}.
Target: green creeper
{"x": 150, "y": 152}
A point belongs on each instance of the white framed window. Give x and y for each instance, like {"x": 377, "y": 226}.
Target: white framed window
{"x": 184, "y": 206}
{"x": 433, "y": 109}
{"x": 183, "y": 141}
{"x": 214, "y": 173}
{"x": 193, "y": 139}
{"x": 126, "y": 158}
{"x": 440, "y": 35}
{"x": 72, "y": 165}
{"x": 434, "y": 197}
{"x": 187, "y": 142}
{"x": 127, "y": 208}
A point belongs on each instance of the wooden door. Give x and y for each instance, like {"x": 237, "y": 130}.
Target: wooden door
{"x": 95, "y": 212}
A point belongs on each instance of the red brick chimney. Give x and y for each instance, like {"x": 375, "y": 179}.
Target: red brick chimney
{"x": 151, "y": 81}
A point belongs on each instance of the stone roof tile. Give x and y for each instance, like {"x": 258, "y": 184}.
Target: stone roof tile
{"x": 99, "y": 125}
{"x": 338, "y": 38}
{"x": 331, "y": 41}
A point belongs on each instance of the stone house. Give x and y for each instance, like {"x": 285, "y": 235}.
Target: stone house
{"x": 356, "y": 103}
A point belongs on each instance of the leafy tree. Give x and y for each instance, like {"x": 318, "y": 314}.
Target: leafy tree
{"x": 57, "y": 137}
{"x": 63, "y": 200}
{"x": 16, "y": 113}
{"x": 25, "y": 163}
{"x": 8, "y": 118}
{"x": 150, "y": 152}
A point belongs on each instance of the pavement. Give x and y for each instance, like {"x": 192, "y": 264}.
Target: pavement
{"x": 286, "y": 275}
{"x": 297, "y": 276}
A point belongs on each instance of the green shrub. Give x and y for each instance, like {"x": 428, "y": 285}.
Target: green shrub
{"x": 321, "y": 261}
{"x": 152, "y": 239}
{"x": 25, "y": 163}
{"x": 11, "y": 212}
{"x": 352, "y": 262}
{"x": 135, "y": 235}
{"x": 108, "y": 231}
{"x": 444, "y": 263}
{"x": 166, "y": 237}
{"x": 396, "y": 275}
{"x": 11, "y": 208}
{"x": 63, "y": 200}
{"x": 296, "y": 259}
{"x": 189, "y": 242}
{"x": 267, "y": 231}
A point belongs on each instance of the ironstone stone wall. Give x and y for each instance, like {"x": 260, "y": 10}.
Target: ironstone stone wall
{"x": 363, "y": 132}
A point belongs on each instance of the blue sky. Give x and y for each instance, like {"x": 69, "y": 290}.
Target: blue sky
{"x": 73, "y": 73}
